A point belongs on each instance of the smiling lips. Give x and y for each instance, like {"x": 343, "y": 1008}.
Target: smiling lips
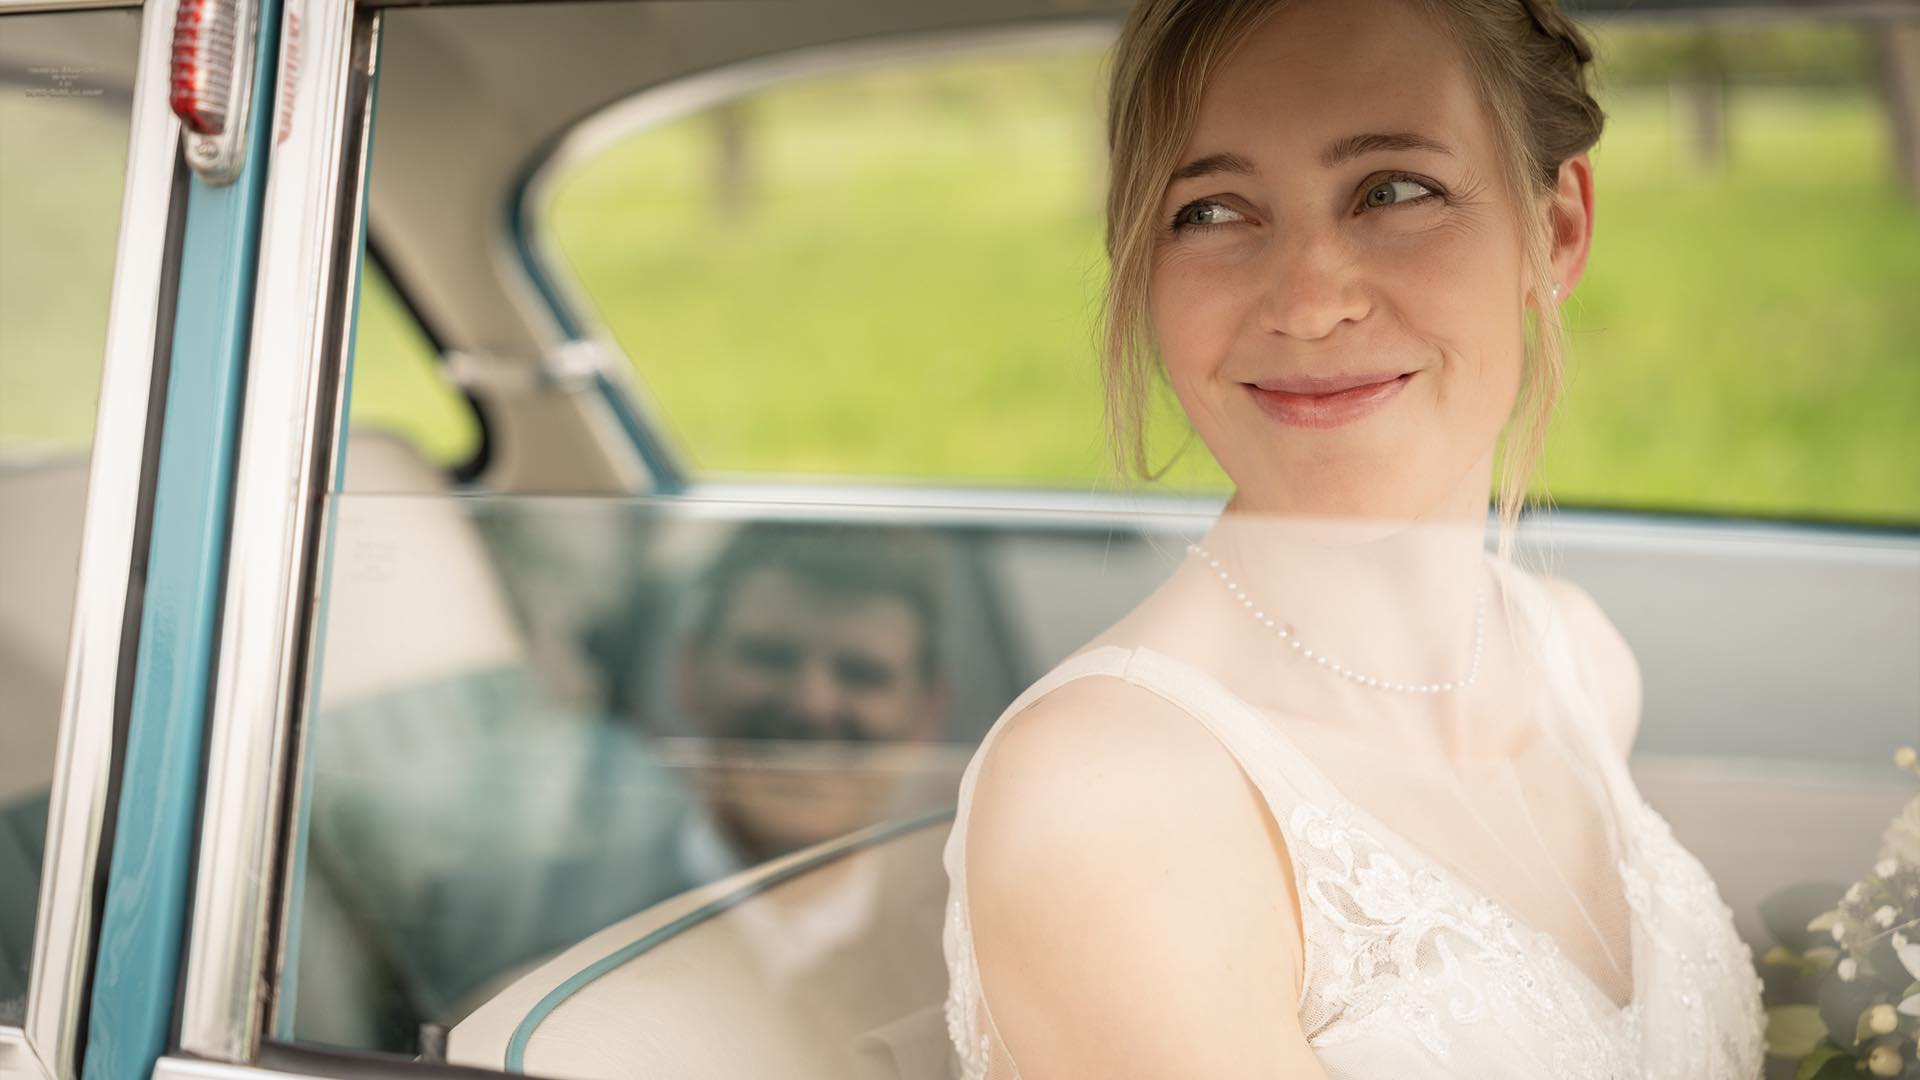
{"x": 1327, "y": 402}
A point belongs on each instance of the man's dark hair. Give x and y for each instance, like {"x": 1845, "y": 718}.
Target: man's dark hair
{"x": 839, "y": 559}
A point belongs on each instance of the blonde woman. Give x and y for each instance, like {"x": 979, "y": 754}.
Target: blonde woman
{"x": 1347, "y": 796}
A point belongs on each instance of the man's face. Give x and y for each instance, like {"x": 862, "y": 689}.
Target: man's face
{"x": 793, "y": 679}
{"x": 790, "y": 661}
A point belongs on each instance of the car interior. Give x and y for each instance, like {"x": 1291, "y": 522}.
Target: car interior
{"x": 525, "y": 616}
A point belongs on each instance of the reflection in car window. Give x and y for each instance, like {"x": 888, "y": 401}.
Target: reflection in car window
{"x": 64, "y": 110}
{"x": 485, "y": 791}
{"x": 894, "y": 273}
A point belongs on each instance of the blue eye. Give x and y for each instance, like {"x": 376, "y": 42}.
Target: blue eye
{"x": 1397, "y": 191}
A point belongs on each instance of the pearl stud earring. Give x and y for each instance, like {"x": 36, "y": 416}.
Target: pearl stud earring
{"x": 1556, "y": 290}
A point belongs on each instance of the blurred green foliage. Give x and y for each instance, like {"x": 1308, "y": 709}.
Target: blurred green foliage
{"x": 910, "y": 291}
{"x": 906, "y": 286}
{"x": 1630, "y": 54}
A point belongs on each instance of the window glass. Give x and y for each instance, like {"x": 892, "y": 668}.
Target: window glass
{"x": 631, "y": 783}
{"x": 64, "y": 113}
{"x": 894, "y": 273}
{"x": 399, "y": 383}
{"x": 540, "y": 717}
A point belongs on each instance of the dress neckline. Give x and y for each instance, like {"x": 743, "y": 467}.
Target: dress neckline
{"x": 1550, "y": 634}
{"x": 1417, "y": 857}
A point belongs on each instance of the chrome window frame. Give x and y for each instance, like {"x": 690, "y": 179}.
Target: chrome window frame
{"x": 307, "y": 275}
{"x": 21, "y": 7}
{"x": 48, "y": 1043}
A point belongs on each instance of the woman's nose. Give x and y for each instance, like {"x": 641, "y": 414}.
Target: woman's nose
{"x": 1310, "y": 286}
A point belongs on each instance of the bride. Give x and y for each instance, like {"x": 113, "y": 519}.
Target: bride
{"x": 1347, "y": 796}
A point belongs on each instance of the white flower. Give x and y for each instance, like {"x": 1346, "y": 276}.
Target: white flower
{"x": 1883, "y": 915}
{"x": 1838, "y": 930}
{"x": 1853, "y": 893}
{"x": 1846, "y": 968}
{"x": 1902, "y": 838}
{"x": 1885, "y": 867}
{"x": 1909, "y": 954}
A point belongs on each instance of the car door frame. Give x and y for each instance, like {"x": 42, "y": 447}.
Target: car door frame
{"x": 95, "y": 698}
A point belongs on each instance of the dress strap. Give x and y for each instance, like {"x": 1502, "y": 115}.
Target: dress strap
{"x": 1567, "y": 664}
{"x": 1275, "y": 765}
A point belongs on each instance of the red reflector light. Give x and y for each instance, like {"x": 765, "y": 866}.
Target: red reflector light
{"x": 203, "y": 64}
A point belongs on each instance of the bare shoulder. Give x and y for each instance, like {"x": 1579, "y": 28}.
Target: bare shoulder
{"x": 1132, "y": 906}
{"x": 1614, "y": 665}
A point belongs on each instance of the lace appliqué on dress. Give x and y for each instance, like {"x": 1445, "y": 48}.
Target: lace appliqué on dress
{"x": 973, "y": 1046}
{"x": 1712, "y": 1022}
{"x": 1399, "y": 951}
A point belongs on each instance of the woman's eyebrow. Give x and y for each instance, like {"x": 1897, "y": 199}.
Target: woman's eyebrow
{"x": 1340, "y": 151}
{"x": 1214, "y": 163}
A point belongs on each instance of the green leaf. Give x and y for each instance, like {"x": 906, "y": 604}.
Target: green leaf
{"x": 1794, "y": 1030}
{"x": 1844, "y": 1067}
{"x": 1818, "y": 959}
{"x": 1782, "y": 956}
{"x": 1817, "y": 1058}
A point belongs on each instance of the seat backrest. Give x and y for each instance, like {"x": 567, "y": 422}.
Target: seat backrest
{"x": 41, "y": 507}
{"x": 696, "y": 987}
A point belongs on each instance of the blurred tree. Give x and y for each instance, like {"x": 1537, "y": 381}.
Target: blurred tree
{"x": 733, "y": 169}
{"x": 1899, "y": 56}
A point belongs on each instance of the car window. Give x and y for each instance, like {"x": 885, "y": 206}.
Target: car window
{"x": 567, "y": 742}
{"x": 64, "y": 114}
{"x": 538, "y": 717}
{"x": 893, "y": 273}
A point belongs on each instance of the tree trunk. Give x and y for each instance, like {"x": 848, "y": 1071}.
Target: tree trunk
{"x": 1900, "y": 84}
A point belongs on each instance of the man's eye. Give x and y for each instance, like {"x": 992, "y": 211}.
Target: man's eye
{"x": 863, "y": 673}
{"x": 768, "y": 654}
{"x": 1202, "y": 213}
{"x": 1397, "y": 191}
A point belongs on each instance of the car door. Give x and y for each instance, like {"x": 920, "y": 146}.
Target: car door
{"x": 389, "y": 742}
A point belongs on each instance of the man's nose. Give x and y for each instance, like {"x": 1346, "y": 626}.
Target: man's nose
{"x": 818, "y": 696}
{"x": 1311, "y": 284}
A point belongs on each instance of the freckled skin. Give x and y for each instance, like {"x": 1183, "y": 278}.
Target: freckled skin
{"x": 1301, "y": 277}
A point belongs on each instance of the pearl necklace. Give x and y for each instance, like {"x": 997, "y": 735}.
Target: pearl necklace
{"x": 1286, "y": 634}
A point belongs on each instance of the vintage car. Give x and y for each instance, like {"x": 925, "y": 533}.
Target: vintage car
{"x": 391, "y": 569}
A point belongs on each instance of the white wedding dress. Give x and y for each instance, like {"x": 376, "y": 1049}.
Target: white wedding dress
{"x": 1409, "y": 970}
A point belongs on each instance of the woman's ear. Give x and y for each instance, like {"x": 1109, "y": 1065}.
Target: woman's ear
{"x": 1570, "y": 218}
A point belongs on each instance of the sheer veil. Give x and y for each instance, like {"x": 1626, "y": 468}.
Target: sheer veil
{"x": 1521, "y": 825}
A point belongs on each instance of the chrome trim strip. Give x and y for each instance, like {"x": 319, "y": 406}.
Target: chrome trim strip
{"x": 64, "y": 925}
{"x": 308, "y": 249}
{"x": 17, "y": 1058}
{"x": 173, "y": 1068}
{"x": 17, "y": 7}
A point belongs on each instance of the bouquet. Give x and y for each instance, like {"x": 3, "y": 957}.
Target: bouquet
{"x": 1852, "y": 978}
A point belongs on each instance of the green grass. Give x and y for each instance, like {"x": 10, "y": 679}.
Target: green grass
{"x": 911, "y": 295}
{"x": 62, "y": 168}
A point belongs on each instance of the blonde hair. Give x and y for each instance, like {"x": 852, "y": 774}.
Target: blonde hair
{"x": 1529, "y": 66}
